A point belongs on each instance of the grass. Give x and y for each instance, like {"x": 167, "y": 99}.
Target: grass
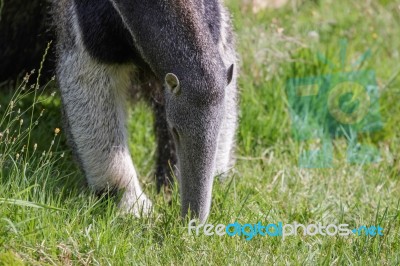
{"x": 47, "y": 217}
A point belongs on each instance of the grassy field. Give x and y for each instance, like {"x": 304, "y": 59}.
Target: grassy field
{"x": 47, "y": 217}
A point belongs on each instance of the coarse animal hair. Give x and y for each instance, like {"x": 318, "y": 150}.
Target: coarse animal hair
{"x": 180, "y": 56}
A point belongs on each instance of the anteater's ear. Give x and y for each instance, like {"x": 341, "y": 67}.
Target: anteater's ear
{"x": 172, "y": 82}
{"x": 229, "y": 75}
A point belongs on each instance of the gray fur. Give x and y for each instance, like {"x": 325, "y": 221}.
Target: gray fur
{"x": 188, "y": 46}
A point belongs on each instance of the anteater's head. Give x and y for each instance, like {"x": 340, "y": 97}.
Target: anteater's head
{"x": 195, "y": 109}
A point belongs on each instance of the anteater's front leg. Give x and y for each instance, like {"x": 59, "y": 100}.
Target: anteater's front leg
{"x": 93, "y": 96}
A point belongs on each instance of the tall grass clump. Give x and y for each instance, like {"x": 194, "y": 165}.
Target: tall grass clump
{"x": 22, "y": 163}
{"x": 26, "y": 161}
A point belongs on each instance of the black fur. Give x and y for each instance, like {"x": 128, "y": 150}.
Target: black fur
{"x": 104, "y": 34}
